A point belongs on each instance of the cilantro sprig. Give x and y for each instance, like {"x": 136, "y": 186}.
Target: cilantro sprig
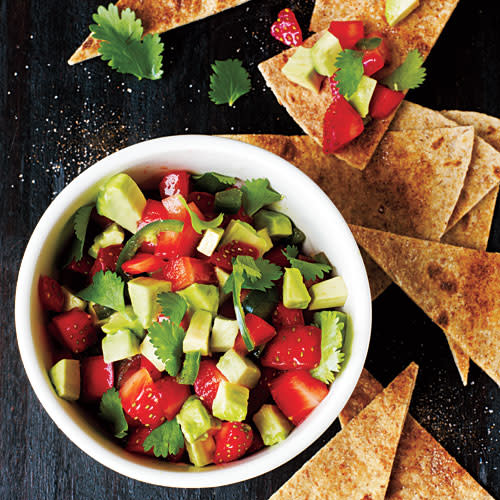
{"x": 106, "y": 290}
{"x": 228, "y": 82}
{"x": 111, "y": 410}
{"x": 167, "y": 338}
{"x": 410, "y": 75}
{"x": 350, "y": 71}
{"x": 80, "y": 222}
{"x": 123, "y": 45}
{"x": 190, "y": 368}
{"x": 258, "y": 274}
{"x": 167, "y": 439}
{"x": 200, "y": 225}
{"x": 258, "y": 193}
{"x": 212, "y": 182}
{"x": 309, "y": 270}
{"x": 173, "y": 306}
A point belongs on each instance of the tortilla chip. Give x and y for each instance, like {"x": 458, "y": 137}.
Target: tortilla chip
{"x": 357, "y": 462}
{"x": 422, "y": 467}
{"x": 458, "y": 288}
{"x": 158, "y": 16}
{"x": 484, "y": 171}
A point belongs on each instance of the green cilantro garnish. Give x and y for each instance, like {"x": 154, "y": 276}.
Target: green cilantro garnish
{"x": 309, "y": 270}
{"x": 368, "y": 43}
{"x": 200, "y": 225}
{"x": 106, "y": 290}
{"x": 350, "y": 71}
{"x": 111, "y": 410}
{"x": 122, "y": 43}
{"x": 228, "y": 82}
{"x": 258, "y": 193}
{"x": 173, "y": 306}
{"x": 167, "y": 339}
{"x": 80, "y": 221}
{"x": 332, "y": 324}
{"x": 237, "y": 281}
{"x": 409, "y": 75}
{"x": 212, "y": 182}
{"x": 167, "y": 439}
{"x": 190, "y": 368}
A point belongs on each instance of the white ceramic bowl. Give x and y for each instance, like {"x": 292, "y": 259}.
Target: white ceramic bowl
{"x": 303, "y": 201}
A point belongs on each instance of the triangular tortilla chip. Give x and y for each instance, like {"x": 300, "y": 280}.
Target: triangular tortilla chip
{"x": 458, "y": 288}
{"x": 422, "y": 467}
{"x": 357, "y": 462}
{"x": 158, "y": 16}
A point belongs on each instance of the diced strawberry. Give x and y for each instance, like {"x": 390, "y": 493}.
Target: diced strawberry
{"x": 207, "y": 382}
{"x": 153, "y": 371}
{"x": 205, "y": 202}
{"x": 348, "y": 32}
{"x": 260, "y": 332}
{"x": 175, "y": 182}
{"x": 261, "y": 393}
{"x": 184, "y": 271}
{"x": 257, "y": 444}
{"x": 232, "y": 441}
{"x": 106, "y": 259}
{"x": 375, "y": 59}
{"x": 51, "y": 294}
{"x": 297, "y": 393}
{"x": 96, "y": 376}
{"x": 125, "y": 368}
{"x": 286, "y": 29}
{"x": 135, "y": 442}
{"x": 284, "y": 317}
{"x": 239, "y": 215}
{"x": 75, "y": 330}
{"x": 298, "y": 347}
{"x": 384, "y": 102}
{"x": 276, "y": 256}
{"x": 223, "y": 257}
{"x": 143, "y": 263}
{"x": 172, "y": 395}
{"x": 82, "y": 266}
{"x": 227, "y": 309}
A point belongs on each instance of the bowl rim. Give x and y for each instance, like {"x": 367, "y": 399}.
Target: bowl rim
{"x": 255, "y": 465}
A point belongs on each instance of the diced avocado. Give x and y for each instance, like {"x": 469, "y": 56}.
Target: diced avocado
{"x": 112, "y": 235}
{"x": 121, "y": 200}
{"x": 363, "y": 95}
{"x": 209, "y": 241}
{"x": 231, "y": 402}
{"x": 224, "y": 334}
{"x": 222, "y": 277}
{"x": 65, "y": 377}
{"x": 278, "y": 225}
{"x": 198, "y": 333}
{"x": 238, "y": 230}
{"x": 272, "y": 424}
{"x": 202, "y": 451}
{"x": 324, "y": 54}
{"x": 148, "y": 351}
{"x": 299, "y": 69}
{"x": 201, "y": 297}
{"x": 194, "y": 419}
{"x": 124, "y": 319}
{"x": 397, "y": 10}
{"x": 99, "y": 313}
{"x": 229, "y": 200}
{"x": 264, "y": 233}
{"x": 143, "y": 292}
{"x": 72, "y": 301}
{"x": 238, "y": 369}
{"x": 119, "y": 345}
{"x": 328, "y": 293}
{"x": 295, "y": 294}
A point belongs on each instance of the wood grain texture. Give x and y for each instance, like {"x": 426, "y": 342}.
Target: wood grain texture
{"x": 56, "y": 121}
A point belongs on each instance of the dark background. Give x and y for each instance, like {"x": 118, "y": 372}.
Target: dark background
{"x": 58, "y": 120}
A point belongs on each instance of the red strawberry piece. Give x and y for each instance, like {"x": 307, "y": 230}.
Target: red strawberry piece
{"x": 82, "y": 266}
{"x": 175, "y": 182}
{"x": 153, "y": 371}
{"x": 286, "y": 29}
{"x": 153, "y": 211}
{"x": 172, "y": 395}
{"x": 51, "y": 294}
{"x": 223, "y": 257}
{"x": 276, "y": 256}
{"x": 334, "y": 88}
{"x": 232, "y": 441}
{"x": 141, "y": 400}
{"x": 97, "y": 377}
{"x": 135, "y": 442}
{"x": 207, "y": 382}
{"x": 239, "y": 215}
{"x": 227, "y": 309}
{"x": 384, "y": 102}
{"x": 125, "y": 368}
{"x": 106, "y": 259}
{"x": 260, "y": 393}
{"x": 205, "y": 202}
{"x": 75, "y": 330}
{"x": 285, "y": 318}
{"x": 257, "y": 444}
{"x": 294, "y": 348}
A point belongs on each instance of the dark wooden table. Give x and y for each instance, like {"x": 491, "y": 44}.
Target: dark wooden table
{"x": 58, "y": 120}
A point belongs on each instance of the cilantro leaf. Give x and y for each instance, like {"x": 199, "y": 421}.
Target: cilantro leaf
{"x": 167, "y": 339}
{"x": 309, "y": 270}
{"x": 212, "y": 182}
{"x": 111, "y": 410}
{"x": 200, "y": 225}
{"x": 258, "y": 274}
{"x": 332, "y": 324}
{"x": 80, "y": 221}
{"x": 106, "y": 290}
{"x": 167, "y": 439}
{"x": 368, "y": 43}
{"x": 173, "y": 306}
{"x": 409, "y": 75}
{"x": 257, "y": 193}
{"x": 350, "y": 71}
{"x": 228, "y": 82}
{"x": 121, "y": 44}
{"x": 190, "y": 368}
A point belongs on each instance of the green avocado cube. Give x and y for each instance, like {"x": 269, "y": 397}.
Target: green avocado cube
{"x": 124, "y": 319}
{"x": 264, "y": 233}
{"x": 201, "y": 297}
{"x": 324, "y": 54}
{"x": 209, "y": 241}
{"x": 143, "y": 293}
{"x": 112, "y": 235}
{"x": 397, "y": 10}
{"x": 147, "y": 349}
{"x": 299, "y": 69}
{"x": 198, "y": 333}
{"x": 202, "y": 451}
{"x": 121, "y": 200}
{"x": 295, "y": 294}
{"x": 65, "y": 377}
{"x": 328, "y": 293}
{"x": 238, "y": 369}
{"x": 238, "y": 230}
{"x": 222, "y": 277}
{"x": 194, "y": 419}
{"x": 231, "y": 402}
{"x": 224, "y": 333}
{"x": 278, "y": 225}
{"x": 119, "y": 345}
{"x": 363, "y": 95}
{"x": 72, "y": 301}
{"x": 272, "y": 424}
